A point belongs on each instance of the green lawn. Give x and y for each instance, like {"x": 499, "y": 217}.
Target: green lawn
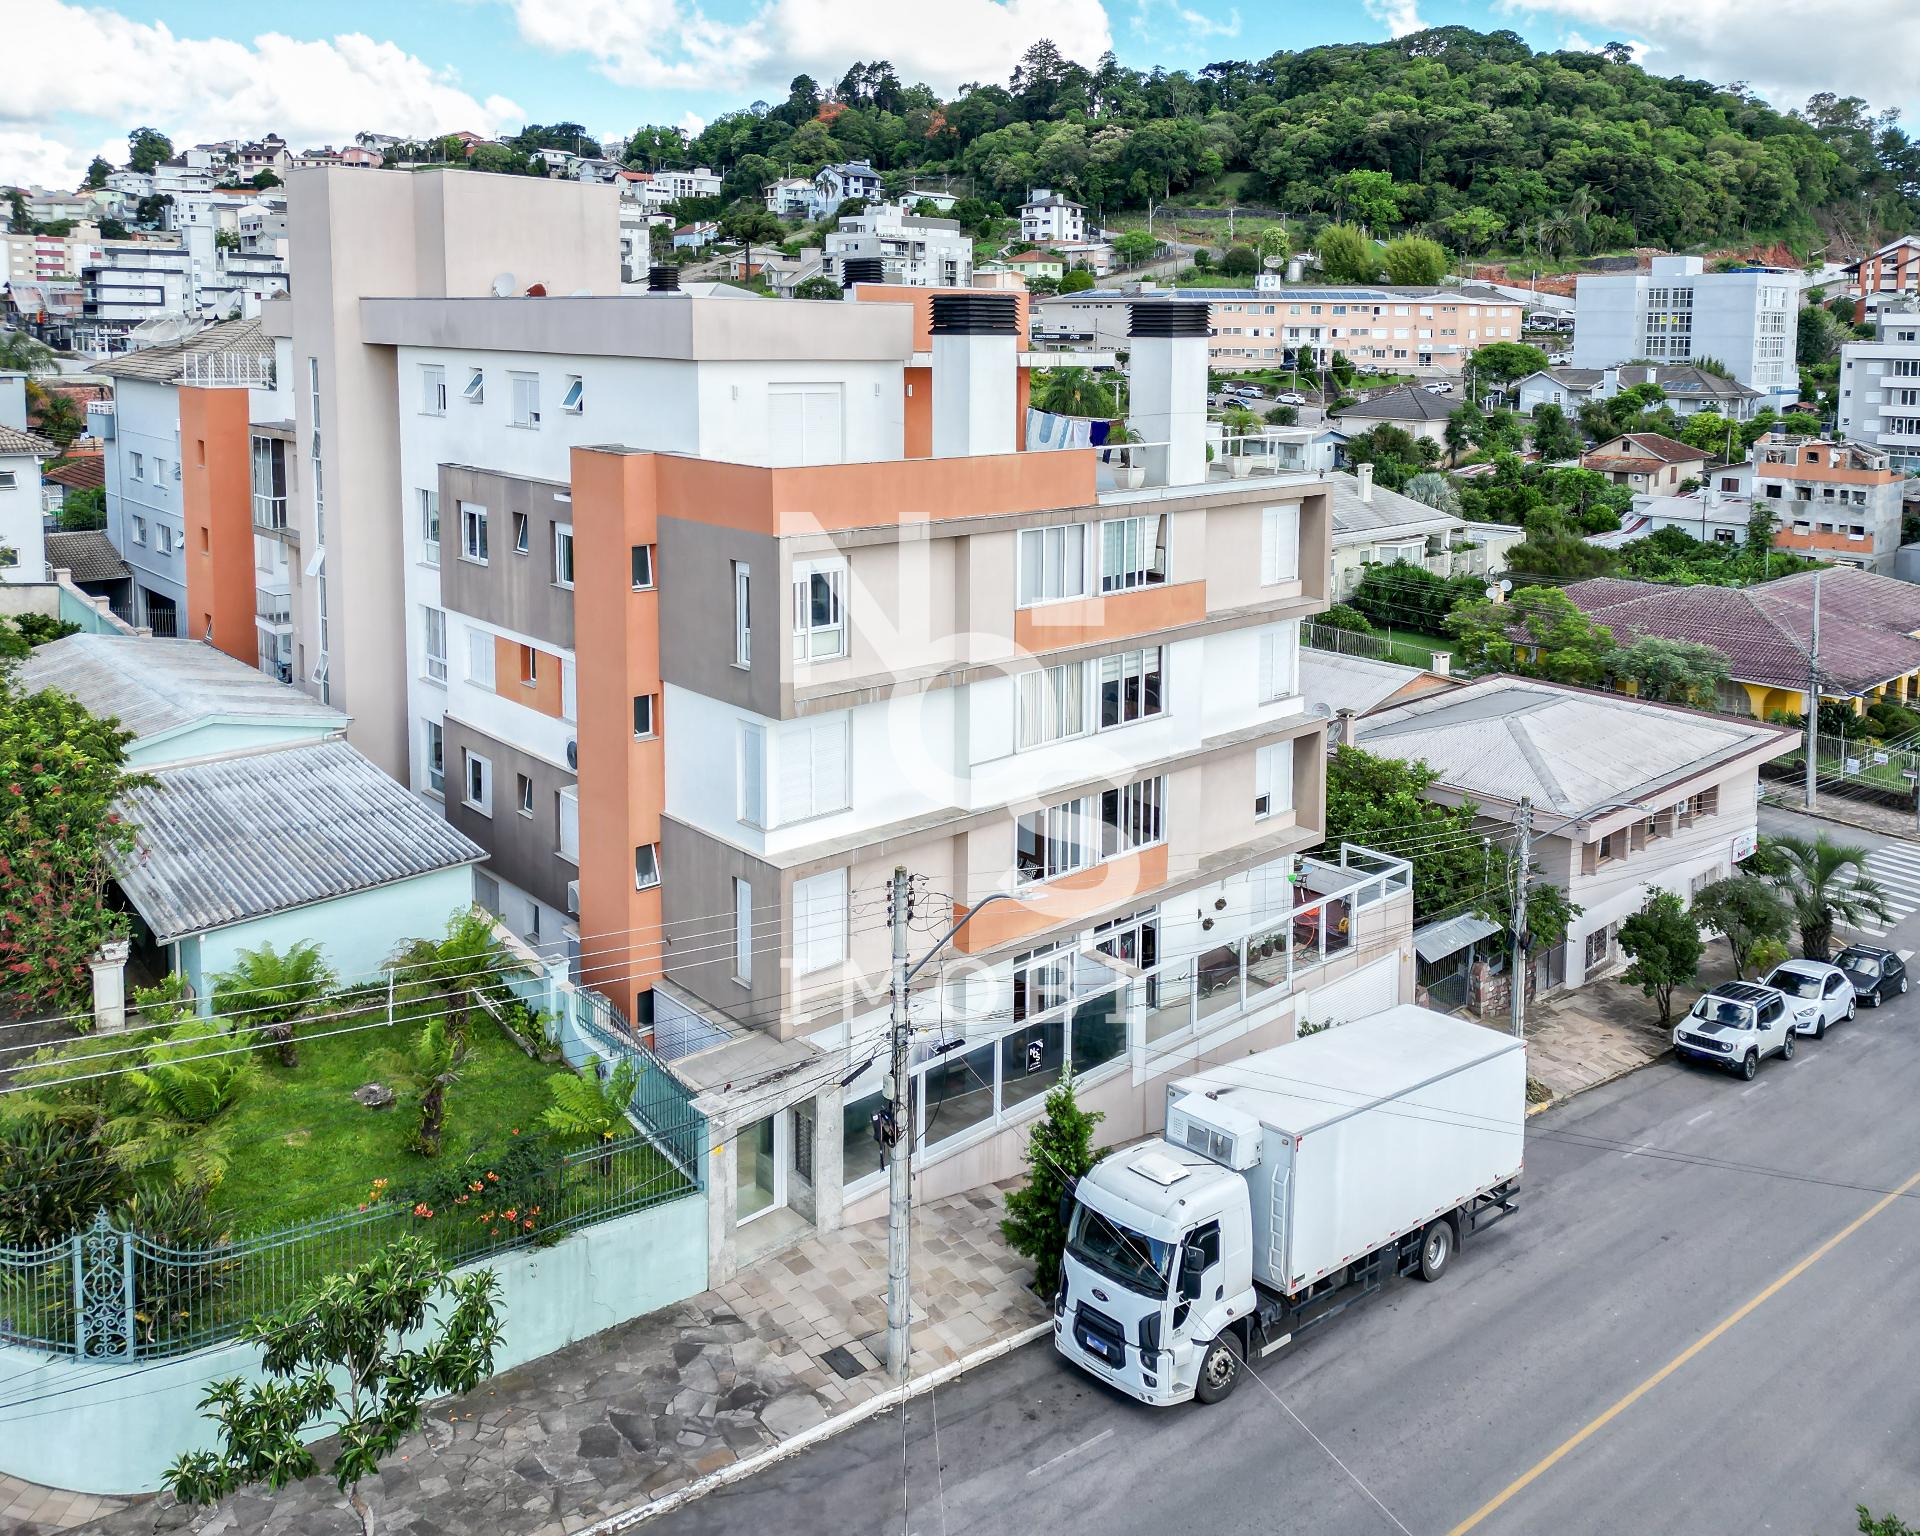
{"x": 304, "y": 1148}
{"x": 1414, "y": 649}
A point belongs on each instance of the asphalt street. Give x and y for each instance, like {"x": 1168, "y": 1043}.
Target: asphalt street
{"x": 1701, "y": 1320}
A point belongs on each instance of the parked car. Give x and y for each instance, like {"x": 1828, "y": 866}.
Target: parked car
{"x": 1290, "y": 398}
{"x": 1877, "y": 974}
{"x": 1818, "y": 994}
{"x": 1438, "y": 389}
{"x": 1735, "y": 1025}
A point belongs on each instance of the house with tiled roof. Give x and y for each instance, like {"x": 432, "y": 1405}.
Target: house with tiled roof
{"x": 1689, "y": 389}
{"x": 1415, "y": 410}
{"x": 1648, "y": 463}
{"x": 1869, "y": 633}
{"x": 22, "y": 534}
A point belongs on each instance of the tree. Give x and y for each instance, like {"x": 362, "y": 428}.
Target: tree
{"x": 340, "y": 1359}
{"x": 1059, "y": 1153}
{"x": 1501, "y": 362}
{"x": 1079, "y": 280}
{"x": 20, "y": 353}
{"x": 1346, "y": 255}
{"x": 1474, "y": 229}
{"x": 1553, "y": 435}
{"x": 1819, "y": 338}
{"x": 1662, "y": 941}
{"x": 1745, "y": 910}
{"x": 1273, "y": 244}
{"x": 1462, "y": 428}
{"x": 1884, "y": 1525}
{"x": 1240, "y": 261}
{"x": 818, "y": 287}
{"x": 1557, "y": 550}
{"x": 83, "y": 510}
{"x": 61, "y": 419}
{"x": 431, "y": 1067}
{"x": 265, "y": 991}
{"x": 1826, "y": 883}
{"x": 1432, "y": 489}
{"x": 1413, "y": 262}
{"x": 1134, "y": 247}
{"x": 749, "y": 223}
{"x": 1673, "y": 671}
{"x": 590, "y": 1107}
{"x": 146, "y": 148}
{"x": 98, "y": 171}
{"x": 1071, "y": 391}
{"x": 1381, "y": 803}
{"x": 443, "y": 976}
{"x": 63, "y": 779}
{"x": 52, "y": 1180}
{"x": 1539, "y": 630}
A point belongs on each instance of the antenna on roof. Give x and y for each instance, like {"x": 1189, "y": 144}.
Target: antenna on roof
{"x": 503, "y": 286}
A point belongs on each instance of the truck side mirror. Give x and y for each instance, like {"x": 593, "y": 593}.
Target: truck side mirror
{"x": 1066, "y": 1202}
{"x": 1193, "y": 1267}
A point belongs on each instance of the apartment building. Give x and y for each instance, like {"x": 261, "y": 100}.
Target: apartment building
{"x": 1678, "y": 311}
{"x": 1832, "y": 500}
{"x": 835, "y": 184}
{"x": 23, "y": 550}
{"x": 50, "y": 258}
{"x": 1406, "y": 330}
{"x": 1880, "y": 389}
{"x": 1047, "y": 218}
{"x": 1886, "y": 279}
{"x": 913, "y": 252}
{"x": 131, "y": 281}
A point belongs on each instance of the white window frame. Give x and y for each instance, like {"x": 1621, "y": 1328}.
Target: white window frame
{"x": 1053, "y": 704}
{"x": 742, "y": 932}
{"x": 1133, "y": 553}
{"x": 523, "y": 794}
{"x": 646, "y": 716}
{"x": 646, "y": 866}
{"x": 163, "y": 537}
{"x": 742, "y": 614}
{"x": 429, "y": 526}
{"x": 563, "y": 567}
{"x": 569, "y": 692}
{"x": 433, "y": 390}
{"x": 1279, "y": 544}
{"x": 1272, "y": 780}
{"x": 1132, "y": 817}
{"x": 474, "y": 542}
{"x": 522, "y": 532}
{"x": 433, "y": 643}
{"x": 480, "y": 658}
{"x": 137, "y": 530}
{"x": 815, "y": 748}
{"x": 643, "y": 562}
{"x": 574, "y": 401}
{"x": 1279, "y": 667}
{"x": 476, "y": 782}
{"x": 433, "y": 757}
{"x": 137, "y": 466}
{"x": 750, "y": 774}
{"x": 524, "y": 408}
{"x": 1067, "y": 839}
{"x": 824, "y": 640}
{"x": 1053, "y": 564}
{"x": 566, "y": 810}
{"x": 819, "y": 922}
{"x": 474, "y": 391}
{"x": 1119, "y": 668}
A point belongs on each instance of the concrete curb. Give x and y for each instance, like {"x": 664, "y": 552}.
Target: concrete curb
{"x": 1600, "y": 1082}
{"x": 893, "y": 1397}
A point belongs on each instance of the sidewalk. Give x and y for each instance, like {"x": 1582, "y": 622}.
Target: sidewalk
{"x": 638, "y": 1411}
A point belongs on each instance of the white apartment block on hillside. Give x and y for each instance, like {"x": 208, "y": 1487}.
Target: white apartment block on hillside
{"x": 1880, "y": 389}
{"x": 1047, "y": 218}
{"x": 914, "y": 251}
{"x": 1678, "y": 311}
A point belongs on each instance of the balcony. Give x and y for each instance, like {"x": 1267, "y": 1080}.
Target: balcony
{"x": 272, "y": 608}
{"x": 270, "y": 513}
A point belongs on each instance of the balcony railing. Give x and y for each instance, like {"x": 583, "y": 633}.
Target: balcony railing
{"x": 226, "y": 370}
{"x": 270, "y": 513}
{"x": 272, "y": 607}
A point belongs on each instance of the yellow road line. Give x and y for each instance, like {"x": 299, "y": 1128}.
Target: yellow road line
{"x": 1588, "y": 1431}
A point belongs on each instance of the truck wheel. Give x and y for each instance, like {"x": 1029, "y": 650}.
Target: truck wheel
{"x": 1749, "y": 1065}
{"x": 1219, "y": 1370}
{"x": 1436, "y": 1250}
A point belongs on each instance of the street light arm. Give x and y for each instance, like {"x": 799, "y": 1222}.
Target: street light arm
{"x": 972, "y": 912}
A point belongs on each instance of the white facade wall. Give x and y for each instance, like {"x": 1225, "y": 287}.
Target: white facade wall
{"x": 143, "y": 496}
{"x": 1880, "y": 391}
{"x": 1746, "y": 320}
{"x": 22, "y": 528}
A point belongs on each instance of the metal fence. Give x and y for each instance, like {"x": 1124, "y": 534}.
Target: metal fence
{"x": 1348, "y": 642}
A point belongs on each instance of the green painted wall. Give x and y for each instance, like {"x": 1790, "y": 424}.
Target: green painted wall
{"x": 115, "y": 1428}
{"x": 217, "y": 737}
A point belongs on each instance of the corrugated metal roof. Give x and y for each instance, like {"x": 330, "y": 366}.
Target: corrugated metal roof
{"x": 237, "y": 838}
{"x": 1451, "y": 935}
{"x": 1358, "y": 683}
{"x": 153, "y": 685}
{"x": 1353, "y": 516}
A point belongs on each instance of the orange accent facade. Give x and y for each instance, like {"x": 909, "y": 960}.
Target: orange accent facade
{"x": 509, "y": 673}
{"x": 1064, "y": 899}
{"x": 622, "y": 781}
{"x": 1842, "y": 543}
{"x": 918, "y": 437}
{"x": 216, "y": 500}
{"x": 1898, "y": 269}
{"x": 1114, "y": 616}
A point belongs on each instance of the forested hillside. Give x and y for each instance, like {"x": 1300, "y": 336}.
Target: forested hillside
{"x": 1471, "y": 137}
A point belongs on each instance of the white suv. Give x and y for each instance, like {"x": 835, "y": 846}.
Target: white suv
{"x": 1736, "y": 1024}
{"x": 1818, "y": 994}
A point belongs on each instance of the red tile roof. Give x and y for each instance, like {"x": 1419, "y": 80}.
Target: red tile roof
{"x": 87, "y": 473}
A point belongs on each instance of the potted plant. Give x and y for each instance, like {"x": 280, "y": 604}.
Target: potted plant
{"x": 1129, "y": 473}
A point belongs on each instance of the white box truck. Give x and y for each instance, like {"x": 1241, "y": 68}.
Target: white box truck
{"x": 1288, "y": 1185}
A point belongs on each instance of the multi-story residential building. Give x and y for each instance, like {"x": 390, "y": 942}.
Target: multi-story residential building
{"x": 1408, "y": 330}
{"x": 913, "y": 252}
{"x": 1677, "y": 311}
{"x": 1836, "y": 501}
{"x": 190, "y": 171}
{"x": 146, "y": 448}
{"x": 23, "y": 550}
{"x": 790, "y": 197}
{"x": 50, "y": 258}
{"x": 131, "y": 281}
{"x": 1880, "y": 389}
{"x": 1888, "y": 278}
{"x": 1047, "y": 218}
{"x": 834, "y": 184}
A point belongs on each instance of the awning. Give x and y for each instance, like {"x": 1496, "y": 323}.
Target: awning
{"x": 1438, "y": 940}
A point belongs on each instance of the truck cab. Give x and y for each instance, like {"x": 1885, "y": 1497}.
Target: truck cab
{"x": 1158, "y": 1265}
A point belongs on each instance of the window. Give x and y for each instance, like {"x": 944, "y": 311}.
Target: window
{"x": 742, "y": 932}
{"x": 1133, "y": 553}
{"x": 523, "y": 792}
{"x": 1279, "y": 661}
{"x": 1272, "y": 780}
{"x": 136, "y": 466}
{"x": 163, "y": 538}
{"x": 8, "y": 479}
{"x": 642, "y": 567}
{"x": 1598, "y": 944}
{"x": 480, "y": 658}
{"x": 566, "y": 811}
{"x": 475, "y": 390}
{"x": 811, "y": 762}
{"x": 819, "y": 921}
{"x": 433, "y": 390}
{"x": 563, "y": 554}
{"x": 522, "y": 533}
{"x": 1132, "y": 818}
{"x": 1053, "y": 563}
{"x": 644, "y": 705}
{"x": 479, "y": 784}
{"x": 573, "y": 402}
{"x": 1130, "y": 687}
{"x": 435, "y": 644}
{"x": 430, "y": 526}
{"x": 1279, "y": 545}
{"x": 751, "y": 775}
{"x": 646, "y": 866}
{"x": 742, "y": 615}
{"x": 569, "y": 692}
{"x": 139, "y": 530}
{"x": 473, "y": 533}
{"x": 434, "y": 751}
{"x": 1054, "y": 841}
{"x": 526, "y": 400}
{"x": 819, "y": 611}
{"x": 1053, "y": 705}
{"x": 529, "y": 667}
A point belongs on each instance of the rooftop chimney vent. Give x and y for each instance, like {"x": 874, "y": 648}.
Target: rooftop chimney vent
{"x": 663, "y": 279}
{"x": 1167, "y": 318}
{"x": 975, "y": 314}
{"x": 861, "y": 269}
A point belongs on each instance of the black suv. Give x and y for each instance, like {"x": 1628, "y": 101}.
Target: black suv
{"x": 1877, "y": 974}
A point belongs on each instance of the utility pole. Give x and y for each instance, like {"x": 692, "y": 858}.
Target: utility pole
{"x": 899, "y": 1189}
{"x": 1522, "y": 958}
{"x": 1813, "y": 699}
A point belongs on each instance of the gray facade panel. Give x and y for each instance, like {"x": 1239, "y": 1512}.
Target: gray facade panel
{"x": 696, "y": 881}
{"x": 523, "y": 850}
{"x": 695, "y": 578}
{"x": 513, "y": 590}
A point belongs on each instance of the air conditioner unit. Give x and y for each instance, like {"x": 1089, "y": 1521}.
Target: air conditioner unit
{"x": 573, "y": 753}
{"x": 573, "y": 898}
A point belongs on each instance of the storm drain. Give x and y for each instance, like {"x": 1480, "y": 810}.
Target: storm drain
{"x": 843, "y": 1363}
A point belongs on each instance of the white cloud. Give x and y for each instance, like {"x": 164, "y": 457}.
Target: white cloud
{"x": 1399, "y": 16}
{"x": 691, "y": 123}
{"x": 665, "y": 44}
{"x": 310, "y": 90}
{"x": 1803, "y": 47}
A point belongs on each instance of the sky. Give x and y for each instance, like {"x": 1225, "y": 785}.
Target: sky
{"x": 317, "y": 73}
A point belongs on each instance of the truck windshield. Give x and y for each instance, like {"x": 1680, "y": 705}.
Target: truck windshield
{"x": 1124, "y": 1256}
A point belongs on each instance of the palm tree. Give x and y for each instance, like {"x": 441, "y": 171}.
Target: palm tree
{"x": 590, "y": 1106}
{"x": 20, "y": 353}
{"x": 1460, "y": 429}
{"x": 266, "y": 991}
{"x": 1072, "y": 391}
{"x": 60, "y": 419}
{"x": 1826, "y": 883}
{"x": 450, "y": 972}
{"x": 432, "y": 1066}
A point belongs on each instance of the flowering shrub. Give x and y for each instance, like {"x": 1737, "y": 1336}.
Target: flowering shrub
{"x": 497, "y": 1192}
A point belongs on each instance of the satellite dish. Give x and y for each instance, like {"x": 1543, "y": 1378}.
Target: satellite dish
{"x": 503, "y": 286}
